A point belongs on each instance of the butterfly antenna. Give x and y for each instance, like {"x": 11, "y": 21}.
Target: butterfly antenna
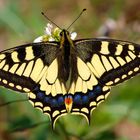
{"x": 50, "y": 20}
{"x": 77, "y": 18}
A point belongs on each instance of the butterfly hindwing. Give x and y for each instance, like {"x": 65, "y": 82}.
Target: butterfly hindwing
{"x": 49, "y": 93}
{"x": 87, "y": 92}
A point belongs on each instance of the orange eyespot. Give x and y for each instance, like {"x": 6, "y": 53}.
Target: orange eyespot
{"x": 68, "y": 103}
{"x": 68, "y": 100}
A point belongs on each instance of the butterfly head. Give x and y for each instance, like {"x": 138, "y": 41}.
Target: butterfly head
{"x": 64, "y": 33}
{"x": 65, "y": 38}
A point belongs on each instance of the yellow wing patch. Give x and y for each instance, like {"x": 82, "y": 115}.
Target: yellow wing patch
{"x": 96, "y": 62}
{"x": 86, "y": 79}
{"x": 52, "y": 72}
{"x": 14, "y": 56}
{"x": 104, "y": 47}
{"x": 83, "y": 70}
{"x": 49, "y": 82}
{"x": 29, "y": 53}
{"x": 37, "y": 69}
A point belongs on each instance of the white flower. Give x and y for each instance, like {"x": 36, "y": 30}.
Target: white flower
{"x": 52, "y": 34}
{"x": 48, "y": 29}
{"x": 73, "y": 35}
{"x": 39, "y": 39}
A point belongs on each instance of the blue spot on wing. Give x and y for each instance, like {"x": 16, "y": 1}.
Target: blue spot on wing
{"x": 85, "y": 99}
{"x": 77, "y": 99}
{"x": 40, "y": 95}
{"x": 97, "y": 90}
{"x": 91, "y": 95}
{"x": 54, "y": 103}
{"x": 60, "y": 100}
{"x": 48, "y": 100}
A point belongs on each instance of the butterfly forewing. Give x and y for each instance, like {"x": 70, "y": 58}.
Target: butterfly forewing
{"x": 22, "y": 63}
{"x": 111, "y": 61}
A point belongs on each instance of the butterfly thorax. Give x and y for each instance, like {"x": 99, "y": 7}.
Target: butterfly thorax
{"x": 66, "y": 45}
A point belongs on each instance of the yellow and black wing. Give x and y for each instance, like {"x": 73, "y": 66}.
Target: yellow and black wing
{"x": 33, "y": 68}
{"x": 101, "y": 64}
{"x": 57, "y": 87}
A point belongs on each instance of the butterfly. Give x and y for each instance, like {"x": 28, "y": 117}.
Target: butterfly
{"x": 68, "y": 76}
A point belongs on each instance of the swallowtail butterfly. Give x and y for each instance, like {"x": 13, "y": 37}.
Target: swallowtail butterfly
{"x": 68, "y": 76}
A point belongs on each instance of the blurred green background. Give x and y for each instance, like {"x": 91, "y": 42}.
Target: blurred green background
{"x": 118, "y": 118}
